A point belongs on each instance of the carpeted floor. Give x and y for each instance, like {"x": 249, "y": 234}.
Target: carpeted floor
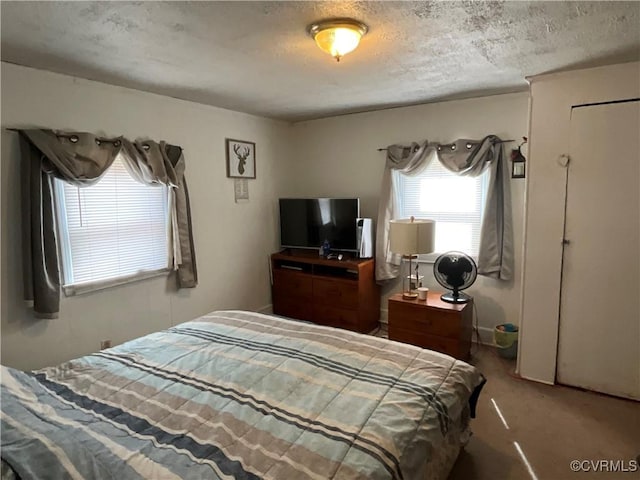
{"x": 552, "y": 425}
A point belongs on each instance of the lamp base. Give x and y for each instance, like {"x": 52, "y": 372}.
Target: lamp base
{"x": 409, "y": 295}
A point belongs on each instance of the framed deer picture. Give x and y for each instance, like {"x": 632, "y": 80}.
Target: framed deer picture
{"x": 241, "y": 159}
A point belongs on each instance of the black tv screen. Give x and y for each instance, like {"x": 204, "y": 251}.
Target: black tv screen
{"x": 308, "y": 222}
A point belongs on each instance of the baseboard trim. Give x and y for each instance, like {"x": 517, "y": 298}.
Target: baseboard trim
{"x": 266, "y": 309}
{"x": 546, "y": 382}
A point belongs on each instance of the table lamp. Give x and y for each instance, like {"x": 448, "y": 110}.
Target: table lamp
{"x": 410, "y": 237}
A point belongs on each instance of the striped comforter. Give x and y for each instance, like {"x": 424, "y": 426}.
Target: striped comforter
{"x": 236, "y": 395}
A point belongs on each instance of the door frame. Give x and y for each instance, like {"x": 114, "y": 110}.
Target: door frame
{"x": 551, "y": 98}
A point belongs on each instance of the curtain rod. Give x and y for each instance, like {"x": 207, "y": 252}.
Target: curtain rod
{"x": 501, "y": 141}
{"x": 74, "y": 138}
{"x": 68, "y": 136}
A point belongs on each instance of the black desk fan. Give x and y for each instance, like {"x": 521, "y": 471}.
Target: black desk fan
{"x": 455, "y": 271}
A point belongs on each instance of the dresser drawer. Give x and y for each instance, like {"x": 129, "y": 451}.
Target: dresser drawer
{"x": 292, "y": 284}
{"x": 432, "y": 342}
{"x": 419, "y": 319}
{"x": 336, "y": 293}
{"x": 292, "y": 307}
{"x": 333, "y": 316}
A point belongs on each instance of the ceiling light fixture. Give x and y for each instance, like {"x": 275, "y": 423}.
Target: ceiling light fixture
{"x": 337, "y": 36}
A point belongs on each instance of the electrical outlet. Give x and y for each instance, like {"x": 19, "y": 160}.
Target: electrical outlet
{"x": 105, "y": 344}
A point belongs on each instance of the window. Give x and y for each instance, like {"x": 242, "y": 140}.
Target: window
{"x": 455, "y": 202}
{"x": 112, "y": 232}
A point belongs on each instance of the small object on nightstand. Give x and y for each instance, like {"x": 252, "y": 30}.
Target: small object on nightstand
{"x": 415, "y": 281}
{"x": 422, "y": 293}
{"x": 434, "y": 324}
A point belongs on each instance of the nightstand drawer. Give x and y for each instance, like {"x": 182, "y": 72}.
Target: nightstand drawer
{"x": 419, "y": 319}
{"x": 439, "y": 344}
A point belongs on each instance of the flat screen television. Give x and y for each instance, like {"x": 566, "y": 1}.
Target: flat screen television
{"x": 308, "y": 222}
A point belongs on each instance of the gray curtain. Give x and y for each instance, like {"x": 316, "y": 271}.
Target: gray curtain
{"x": 410, "y": 160}
{"x": 82, "y": 159}
{"x": 463, "y": 157}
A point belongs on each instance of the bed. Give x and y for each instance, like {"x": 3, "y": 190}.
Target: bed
{"x": 241, "y": 395}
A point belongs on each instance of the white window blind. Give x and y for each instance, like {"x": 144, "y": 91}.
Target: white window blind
{"x": 455, "y": 202}
{"x": 116, "y": 229}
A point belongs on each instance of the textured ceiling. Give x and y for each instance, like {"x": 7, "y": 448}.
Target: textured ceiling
{"x": 255, "y": 57}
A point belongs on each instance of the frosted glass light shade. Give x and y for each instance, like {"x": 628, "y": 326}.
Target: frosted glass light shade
{"x": 338, "y": 41}
{"x": 337, "y": 37}
{"x": 410, "y": 236}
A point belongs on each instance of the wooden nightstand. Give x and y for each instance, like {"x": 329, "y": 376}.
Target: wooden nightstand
{"x": 433, "y": 324}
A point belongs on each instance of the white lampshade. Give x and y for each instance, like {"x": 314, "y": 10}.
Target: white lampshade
{"x": 411, "y": 236}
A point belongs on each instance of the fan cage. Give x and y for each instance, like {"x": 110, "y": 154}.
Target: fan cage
{"x": 443, "y": 277}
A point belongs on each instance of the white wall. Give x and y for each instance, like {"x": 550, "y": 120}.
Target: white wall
{"x": 552, "y": 97}
{"x": 232, "y": 241}
{"x": 338, "y": 156}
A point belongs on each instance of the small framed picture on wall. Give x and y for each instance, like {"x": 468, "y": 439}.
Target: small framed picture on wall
{"x": 241, "y": 159}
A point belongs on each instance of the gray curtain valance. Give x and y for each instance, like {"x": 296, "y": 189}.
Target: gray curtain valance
{"x": 463, "y": 157}
{"x": 82, "y": 159}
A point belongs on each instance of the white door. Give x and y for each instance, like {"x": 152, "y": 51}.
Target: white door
{"x": 599, "y": 342}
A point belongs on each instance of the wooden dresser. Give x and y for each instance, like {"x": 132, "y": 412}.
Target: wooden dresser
{"x": 337, "y": 293}
{"x": 433, "y": 324}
